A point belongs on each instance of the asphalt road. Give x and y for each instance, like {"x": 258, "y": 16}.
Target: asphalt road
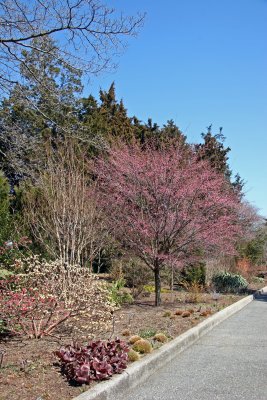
{"x": 229, "y": 363}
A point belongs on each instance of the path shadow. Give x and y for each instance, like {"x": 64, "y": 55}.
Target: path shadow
{"x": 260, "y": 296}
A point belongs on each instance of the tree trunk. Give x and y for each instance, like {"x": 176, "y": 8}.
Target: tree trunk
{"x": 157, "y": 285}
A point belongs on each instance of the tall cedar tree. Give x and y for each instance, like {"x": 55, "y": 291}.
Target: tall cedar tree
{"x": 216, "y": 153}
{"x": 39, "y": 111}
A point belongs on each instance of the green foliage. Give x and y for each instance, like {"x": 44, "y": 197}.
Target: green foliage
{"x": 147, "y": 333}
{"x": 167, "y": 313}
{"x": 255, "y": 249}
{"x": 227, "y": 282}
{"x": 14, "y": 250}
{"x": 214, "y": 151}
{"x": 194, "y": 274}
{"x": 5, "y": 216}
{"x": 40, "y": 112}
{"x": 4, "y": 273}
{"x": 151, "y": 289}
{"x": 135, "y": 274}
{"x": 118, "y": 295}
{"x": 257, "y": 279}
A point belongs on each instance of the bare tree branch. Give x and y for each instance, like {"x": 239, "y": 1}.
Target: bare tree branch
{"x": 88, "y": 33}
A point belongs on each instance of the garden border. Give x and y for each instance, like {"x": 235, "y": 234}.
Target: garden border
{"x": 139, "y": 371}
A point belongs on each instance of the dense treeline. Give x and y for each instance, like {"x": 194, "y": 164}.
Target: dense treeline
{"x": 50, "y": 136}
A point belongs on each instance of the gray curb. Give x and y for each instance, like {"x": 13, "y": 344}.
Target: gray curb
{"x": 141, "y": 370}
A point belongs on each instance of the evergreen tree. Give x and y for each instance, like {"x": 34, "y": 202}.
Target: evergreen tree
{"x": 5, "y": 216}
{"x": 109, "y": 119}
{"x": 39, "y": 111}
{"x": 213, "y": 150}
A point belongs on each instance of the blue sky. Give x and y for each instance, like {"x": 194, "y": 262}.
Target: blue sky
{"x": 201, "y": 62}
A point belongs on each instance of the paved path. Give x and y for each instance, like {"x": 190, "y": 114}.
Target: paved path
{"x": 229, "y": 363}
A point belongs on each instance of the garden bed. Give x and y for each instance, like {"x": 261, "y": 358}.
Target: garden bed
{"x": 31, "y": 370}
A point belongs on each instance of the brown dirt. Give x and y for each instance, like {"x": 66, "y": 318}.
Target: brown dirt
{"x": 30, "y": 369}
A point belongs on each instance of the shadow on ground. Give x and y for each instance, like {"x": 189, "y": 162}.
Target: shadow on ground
{"x": 260, "y": 296}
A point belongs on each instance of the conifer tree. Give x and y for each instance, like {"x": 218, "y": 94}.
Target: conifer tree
{"x": 214, "y": 151}
{"x": 39, "y": 111}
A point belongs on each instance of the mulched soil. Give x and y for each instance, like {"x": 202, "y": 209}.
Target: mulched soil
{"x": 30, "y": 370}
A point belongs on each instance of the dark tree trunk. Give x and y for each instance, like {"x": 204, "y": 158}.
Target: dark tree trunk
{"x": 157, "y": 285}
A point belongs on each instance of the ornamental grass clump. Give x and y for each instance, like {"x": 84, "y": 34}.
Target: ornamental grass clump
{"x": 142, "y": 346}
{"x": 97, "y": 361}
{"x": 34, "y": 304}
{"x": 134, "y": 339}
{"x": 133, "y": 355}
{"x": 160, "y": 337}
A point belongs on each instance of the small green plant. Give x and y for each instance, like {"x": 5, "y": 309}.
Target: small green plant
{"x": 167, "y": 314}
{"x": 151, "y": 289}
{"x": 142, "y": 346}
{"x": 4, "y": 273}
{"x": 257, "y": 279}
{"x": 227, "y": 282}
{"x": 147, "y": 333}
{"x": 118, "y": 295}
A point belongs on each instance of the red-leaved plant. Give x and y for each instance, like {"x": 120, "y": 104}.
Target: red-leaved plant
{"x": 28, "y": 311}
{"x": 97, "y": 361}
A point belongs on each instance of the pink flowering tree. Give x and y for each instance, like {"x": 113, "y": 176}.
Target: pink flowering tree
{"x": 165, "y": 205}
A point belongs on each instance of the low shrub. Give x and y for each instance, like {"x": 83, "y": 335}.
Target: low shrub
{"x": 194, "y": 290}
{"x": 226, "y": 282}
{"x": 134, "y": 272}
{"x": 4, "y": 273}
{"x": 142, "y": 346}
{"x": 194, "y": 274}
{"x": 257, "y": 279}
{"x": 151, "y": 289}
{"x": 36, "y": 303}
{"x": 117, "y": 293}
{"x": 97, "y": 361}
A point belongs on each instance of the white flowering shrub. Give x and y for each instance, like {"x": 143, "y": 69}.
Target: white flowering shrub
{"x": 50, "y": 293}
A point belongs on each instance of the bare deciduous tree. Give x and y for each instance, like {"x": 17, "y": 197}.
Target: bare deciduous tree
{"x": 63, "y": 209}
{"x": 88, "y": 33}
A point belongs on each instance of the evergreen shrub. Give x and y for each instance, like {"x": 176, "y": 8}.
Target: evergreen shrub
{"x": 226, "y": 282}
